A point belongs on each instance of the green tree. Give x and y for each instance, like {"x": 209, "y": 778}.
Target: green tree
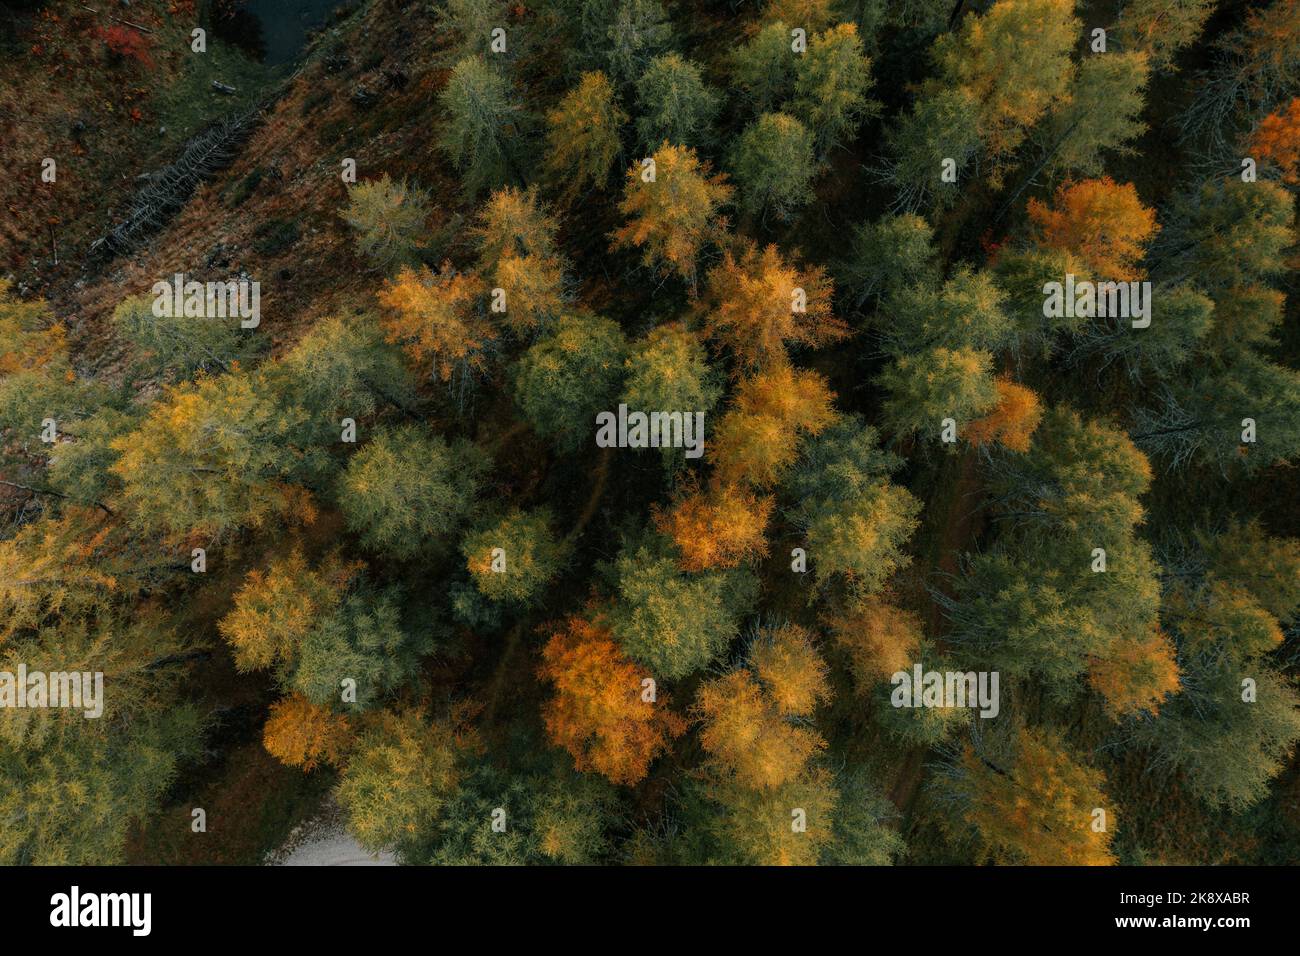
{"x": 389, "y": 220}
{"x": 942, "y": 127}
{"x": 861, "y": 834}
{"x": 178, "y": 344}
{"x": 1202, "y": 417}
{"x": 407, "y": 488}
{"x": 72, "y": 788}
{"x": 965, "y": 312}
{"x": 1226, "y": 234}
{"x": 887, "y": 256}
{"x": 364, "y": 640}
{"x": 855, "y": 520}
{"x": 1102, "y": 114}
{"x": 566, "y": 378}
{"x": 1225, "y": 747}
{"x": 774, "y": 166}
{"x": 674, "y": 104}
{"x": 927, "y": 387}
{"x": 763, "y": 68}
{"x": 74, "y": 801}
{"x": 343, "y": 368}
{"x": 633, "y": 34}
{"x": 529, "y": 556}
{"x": 401, "y": 777}
{"x": 831, "y": 85}
{"x": 753, "y": 827}
{"x": 550, "y": 819}
{"x": 672, "y": 622}
{"x": 482, "y": 127}
{"x": 666, "y": 370}
{"x": 472, "y": 22}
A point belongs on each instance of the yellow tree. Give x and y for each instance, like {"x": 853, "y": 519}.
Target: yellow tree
{"x": 438, "y": 320}
{"x": 1013, "y": 420}
{"x": 1040, "y": 810}
{"x": 518, "y": 258}
{"x": 278, "y": 607}
{"x": 757, "y": 303}
{"x": 879, "y": 637}
{"x": 755, "y": 825}
{"x": 747, "y": 738}
{"x": 786, "y": 662}
{"x": 758, "y": 437}
{"x": 1137, "y": 673}
{"x": 719, "y": 528}
{"x": 582, "y": 135}
{"x": 812, "y": 15}
{"x": 602, "y": 712}
{"x": 1013, "y": 63}
{"x": 56, "y": 567}
{"x": 300, "y": 734}
{"x": 215, "y": 455}
{"x": 27, "y": 341}
{"x": 671, "y": 202}
{"x": 1102, "y": 222}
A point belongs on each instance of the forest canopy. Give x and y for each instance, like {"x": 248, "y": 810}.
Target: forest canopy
{"x": 614, "y": 431}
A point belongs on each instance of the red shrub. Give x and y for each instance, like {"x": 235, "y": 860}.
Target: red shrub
{"x": 127, "y": 43}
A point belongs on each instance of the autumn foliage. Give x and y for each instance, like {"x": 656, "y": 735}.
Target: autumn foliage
{"x": 1012, "y": 422}
{"x": 1276, "y": 140}
{"x": 746, "y": 736}
{"x": 879, "y": 637}
{"x": 672, "y": 216}
{"x": 128, "y": 44}
{"x": 598, "y": 712}
{"x": 1040, "y": 810}
{"x": 437, "y": 319}
{"x": 276, "y": 608}
{"x": 758, "y": 436}
{"x": 1102, "y": 222}
{"x": 1137, "y": 674}
{"x": 300, "y": 734}
{"x": 718, "y": 528}
{"x": 758, "y": 304}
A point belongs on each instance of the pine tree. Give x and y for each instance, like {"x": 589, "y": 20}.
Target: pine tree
{"x": 566, "y": 378}
{"x": 389, "y": 218}
{"x": 483, "y": 125}
{"x": 674, "y": 104}
{"x": 582, "y": 136}
{"x": 512, "y": 559}
{"x": 406, "y": 490}
{"x": 831, "y": 85}
{"x": 773, "y": 164}
{"x": 674, "y": 213}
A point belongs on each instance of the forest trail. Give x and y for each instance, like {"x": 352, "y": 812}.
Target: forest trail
{"x": 593, "y": 500}
{"x": 961, "y": 528}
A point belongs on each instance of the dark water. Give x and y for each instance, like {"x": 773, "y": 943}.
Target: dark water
{"x": 273, "y": 31}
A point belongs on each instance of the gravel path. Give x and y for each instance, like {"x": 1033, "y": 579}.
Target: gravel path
{"x": 323, "y": 841}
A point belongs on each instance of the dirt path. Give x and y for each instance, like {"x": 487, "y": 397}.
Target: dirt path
{"x": 593, "y": 500}
{"x": 961, "y": 526}
{"x": 324, "y": 841}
